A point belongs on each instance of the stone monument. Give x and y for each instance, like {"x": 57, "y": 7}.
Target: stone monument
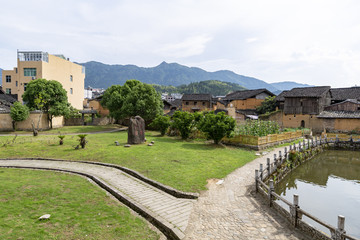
{"x": 136, "y": 130}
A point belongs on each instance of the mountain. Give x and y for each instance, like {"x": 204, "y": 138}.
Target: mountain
{"x": 214, "y": 87}
{"x": 287, "y": 85}
{"x": 0, "y": 76}
{"x": 101, "y": 75}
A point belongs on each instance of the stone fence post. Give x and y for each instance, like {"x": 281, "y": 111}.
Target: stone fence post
{"x": 340, "y": 230}
{"x": 261, "y": 171}
{"x": 257, "y": 180}
{"x": 268, "y": 165}
{"x": 294, "y": 211}
{"x": 275, "y": 162}
{"x": 271, "y": 190}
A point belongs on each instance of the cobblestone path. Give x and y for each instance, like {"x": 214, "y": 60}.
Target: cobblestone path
{"x": 172, "y": 211}
{"x": 232, "y": 210}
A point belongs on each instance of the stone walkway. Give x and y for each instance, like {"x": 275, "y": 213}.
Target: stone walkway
{"x": 169, "y": 210}
{"x": 232, "y": 210}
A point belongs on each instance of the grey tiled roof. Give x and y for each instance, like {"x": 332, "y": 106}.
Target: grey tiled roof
{"x": 280, "y": 97}
{"x": 7, "y": 98}
{"x": 196, "y": 97}
{"x": 340, "y": 94}
{"x": 339, "y": 114}
{"x": 307, "y": 92}
{"x": 245, "y": 94}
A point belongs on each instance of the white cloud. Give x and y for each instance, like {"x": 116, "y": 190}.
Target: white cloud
{"x": 314, "y": 42}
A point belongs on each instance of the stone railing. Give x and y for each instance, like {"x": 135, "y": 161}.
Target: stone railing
{"x": 265, "y": 177}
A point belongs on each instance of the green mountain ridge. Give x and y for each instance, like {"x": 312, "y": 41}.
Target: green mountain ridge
{"x": 100, "y": 75}
{"x": 214, "y": 87}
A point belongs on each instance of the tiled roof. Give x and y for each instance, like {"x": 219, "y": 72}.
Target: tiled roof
{"x": 280, "y": 97}
{"x": 245, "y": 94}
{"x": 340, "y": 94}
{"x": 339, "y": 114}
{"x": 307, "y": 92}
{"x": 196, "y": 97}
{"x": 176, "y": 103}
{"x": 8, "y": 98}
{"x": 347, "y": 100}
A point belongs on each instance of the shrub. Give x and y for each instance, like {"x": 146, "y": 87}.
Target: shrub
{"x": 161, "y": 123}
{"x": 184, "y": 122}
{"x": 217, "y": 126}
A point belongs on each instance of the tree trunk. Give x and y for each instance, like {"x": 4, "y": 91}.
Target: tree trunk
{"x": 14, "y": 125}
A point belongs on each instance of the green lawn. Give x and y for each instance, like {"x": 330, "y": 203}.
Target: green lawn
{"x": 71, "y": 129}
{"x": 184, "y": 165}
{"x": 79, "y": 210}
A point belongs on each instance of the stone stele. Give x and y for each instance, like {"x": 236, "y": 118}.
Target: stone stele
{"x": 136, "y": 130}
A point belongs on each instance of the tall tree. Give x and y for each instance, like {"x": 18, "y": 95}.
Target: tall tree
{"x": 48, "y": 96}
{"x": 18, "y": 113}
{"x": 132, "y": 99}
{"x": 268, "y": 105}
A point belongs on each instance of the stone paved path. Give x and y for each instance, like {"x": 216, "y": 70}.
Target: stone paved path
{"x": 232, "y": 210}
{"x": 166, "y": 208}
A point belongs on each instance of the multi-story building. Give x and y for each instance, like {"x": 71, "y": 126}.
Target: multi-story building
{"x": 36, "y": 64}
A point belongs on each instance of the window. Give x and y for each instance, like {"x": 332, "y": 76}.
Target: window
{"x": 186, "y": 103}
{"x": 30, "y": 72}
{"x": 71, "y": 91}
{"x": 8, "y": 91}
{"x": 71, "y": 78}
{"x": 203, "y": 103}
{"x": 16, "y": 83}
{"x": 195, "y": 103}
{"x": 25, "y": 85}
{"x": 8, "y": 78}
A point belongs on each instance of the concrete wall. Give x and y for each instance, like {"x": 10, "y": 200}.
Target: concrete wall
{"x": 95, "y": 104}
{"x": 6, "y": 122}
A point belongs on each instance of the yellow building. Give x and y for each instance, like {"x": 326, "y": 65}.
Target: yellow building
{"x": 34, "y": 65}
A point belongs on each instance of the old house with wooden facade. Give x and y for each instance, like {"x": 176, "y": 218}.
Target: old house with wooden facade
{"x": 196, "y": 102}
{"x": 320, "y": 108}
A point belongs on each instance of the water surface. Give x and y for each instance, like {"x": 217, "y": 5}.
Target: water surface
{"x": 328, "y": 186}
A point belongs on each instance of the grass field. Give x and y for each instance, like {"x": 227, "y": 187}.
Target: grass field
{"x": 79, "y": 210}
{"x": 70, "y": 129}
{"x": 184, "y": 165}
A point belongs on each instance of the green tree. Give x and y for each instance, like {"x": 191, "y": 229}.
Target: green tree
{"x": 217, "y": 126}
{"x": 184, "y": 122}
{"x": 48, "y": 96}
{"x": 161, "y": 123}
{"x": 18, "y": 113}
{"x": 268, "y": 105}
{"x": 132, "y": 99}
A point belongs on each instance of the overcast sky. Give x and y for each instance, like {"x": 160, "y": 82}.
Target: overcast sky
{"x": 308, "y": 41}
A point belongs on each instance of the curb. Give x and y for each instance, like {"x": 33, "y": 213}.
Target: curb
{"x": 167, "y": 189}
{"x": 169, "y": 231}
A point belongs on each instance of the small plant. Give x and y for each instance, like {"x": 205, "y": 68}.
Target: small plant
{"x": 61, "y": 142}
{"x": 82, "y": 140}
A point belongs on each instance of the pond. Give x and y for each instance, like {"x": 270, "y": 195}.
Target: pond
{"x": 328, "y": 185}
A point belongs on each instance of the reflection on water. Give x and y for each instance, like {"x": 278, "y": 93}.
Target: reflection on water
{"x": 328, "y": 186}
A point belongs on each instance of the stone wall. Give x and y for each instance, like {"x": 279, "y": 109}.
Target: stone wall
{"x": 6, "y": 122}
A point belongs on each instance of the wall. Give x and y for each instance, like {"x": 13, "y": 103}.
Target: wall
{"x": 95, "y": 104}
{"x": 200, "y": 105}
{"x": 6, "y": 122}
{"x": 347, "y": 125}
{"x": 346, "y": 106}
{"x": 250, "y": 103}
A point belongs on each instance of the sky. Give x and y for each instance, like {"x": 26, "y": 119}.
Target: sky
{"x": 314, "y": 42}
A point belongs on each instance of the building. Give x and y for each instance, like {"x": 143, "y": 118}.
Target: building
{"x": 196, "y": 102}
{"x": 247, "y": 99}
{"x": 36, "y": 64}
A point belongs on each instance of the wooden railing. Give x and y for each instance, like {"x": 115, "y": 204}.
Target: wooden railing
{"x": 258, "y": 141}
{"x": 294, "y": 213}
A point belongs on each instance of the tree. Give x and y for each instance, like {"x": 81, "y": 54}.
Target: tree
{"x": 161, "y": 123}
{"x": 48, "y": 96}
{"x": 268, "y": 105}
{"x": 217, "y": 126}
{"x": 18, "y": 113}
{"x": 184, "y": 122}
{"x": 132, "y": 99}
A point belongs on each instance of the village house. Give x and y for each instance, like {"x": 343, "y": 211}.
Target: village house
{"x": 320, "y": 109}
{"x": 196, "y": 102}
{"x": 36, "y": 64}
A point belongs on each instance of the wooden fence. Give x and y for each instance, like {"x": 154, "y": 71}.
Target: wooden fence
{"x": 294, "y": 213}
{"x": 259, "y": 141}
